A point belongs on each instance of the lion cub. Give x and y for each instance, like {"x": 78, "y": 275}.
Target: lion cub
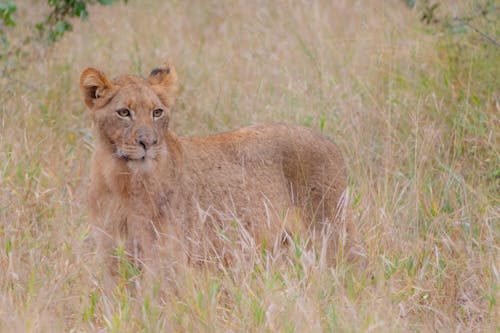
{"x": 150, "y": 189}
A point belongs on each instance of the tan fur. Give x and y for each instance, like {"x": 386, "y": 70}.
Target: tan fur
{"x": 262, "y": 183}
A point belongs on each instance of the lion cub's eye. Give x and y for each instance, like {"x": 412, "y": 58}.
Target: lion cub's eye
{"x": 157, "y": 113}
{"x": 124, "y": 113}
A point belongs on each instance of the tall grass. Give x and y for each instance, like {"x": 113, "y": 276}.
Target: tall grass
{"x": 414, "y": 109}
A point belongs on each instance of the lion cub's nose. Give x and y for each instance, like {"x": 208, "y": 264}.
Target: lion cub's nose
{"x": 146, "y": 141}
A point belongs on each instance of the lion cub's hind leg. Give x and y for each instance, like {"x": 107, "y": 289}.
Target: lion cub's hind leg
{"x": 296, "y": 238}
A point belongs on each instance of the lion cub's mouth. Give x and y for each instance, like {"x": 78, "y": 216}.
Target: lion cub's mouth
{"x": 131, "y": 153}
{"x": 138, "y": 154}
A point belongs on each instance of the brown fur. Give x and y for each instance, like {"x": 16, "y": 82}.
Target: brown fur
{"x": 263, "y": 183}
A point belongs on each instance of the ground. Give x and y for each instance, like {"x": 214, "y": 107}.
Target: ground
{"x": 414, "y": 108}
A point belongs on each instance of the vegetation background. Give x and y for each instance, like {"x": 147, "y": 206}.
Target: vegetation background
{"x": 409, "y": 93}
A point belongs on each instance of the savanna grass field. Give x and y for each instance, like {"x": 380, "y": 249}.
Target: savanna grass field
{"x": 413, "y": 105}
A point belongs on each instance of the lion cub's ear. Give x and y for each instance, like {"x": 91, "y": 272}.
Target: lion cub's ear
{"x": 94, "y": 85}
{"x": 164, "y": 82}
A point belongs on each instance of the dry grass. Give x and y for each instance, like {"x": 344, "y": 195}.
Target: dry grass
{"x": 414, "y": 109}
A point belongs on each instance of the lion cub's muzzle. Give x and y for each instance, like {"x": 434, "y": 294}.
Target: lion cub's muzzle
{"x": 145, "y": 146}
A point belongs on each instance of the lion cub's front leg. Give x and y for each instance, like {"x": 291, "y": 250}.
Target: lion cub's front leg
{"x": 129, "y": 250}
{"x": 141, "y": 240}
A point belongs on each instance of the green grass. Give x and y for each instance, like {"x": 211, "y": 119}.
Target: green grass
{"x": 414, "y": 109}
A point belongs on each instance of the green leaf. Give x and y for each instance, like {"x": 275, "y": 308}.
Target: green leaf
{"x": 4, "y": 41}
{"x": 80, "y": 9}
{"x": 8, "y": 247}
{"x": 105, "y": 2}
{"x": 62, "y": 26}
{"x": 322, "y": 123}
{"x": 457, "y": 29}
{"x": 410, "y": 3}
{"x": 6, "y": 10}
{"x": 59, "y": 29}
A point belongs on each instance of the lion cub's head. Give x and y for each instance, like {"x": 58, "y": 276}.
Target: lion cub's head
{"x": 131, "y": 114}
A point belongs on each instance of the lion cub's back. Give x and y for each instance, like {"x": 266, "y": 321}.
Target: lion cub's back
{"x": 293, "y": 146}
{"x": 298, "y": 146}
{"x": 310, "y": 164}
